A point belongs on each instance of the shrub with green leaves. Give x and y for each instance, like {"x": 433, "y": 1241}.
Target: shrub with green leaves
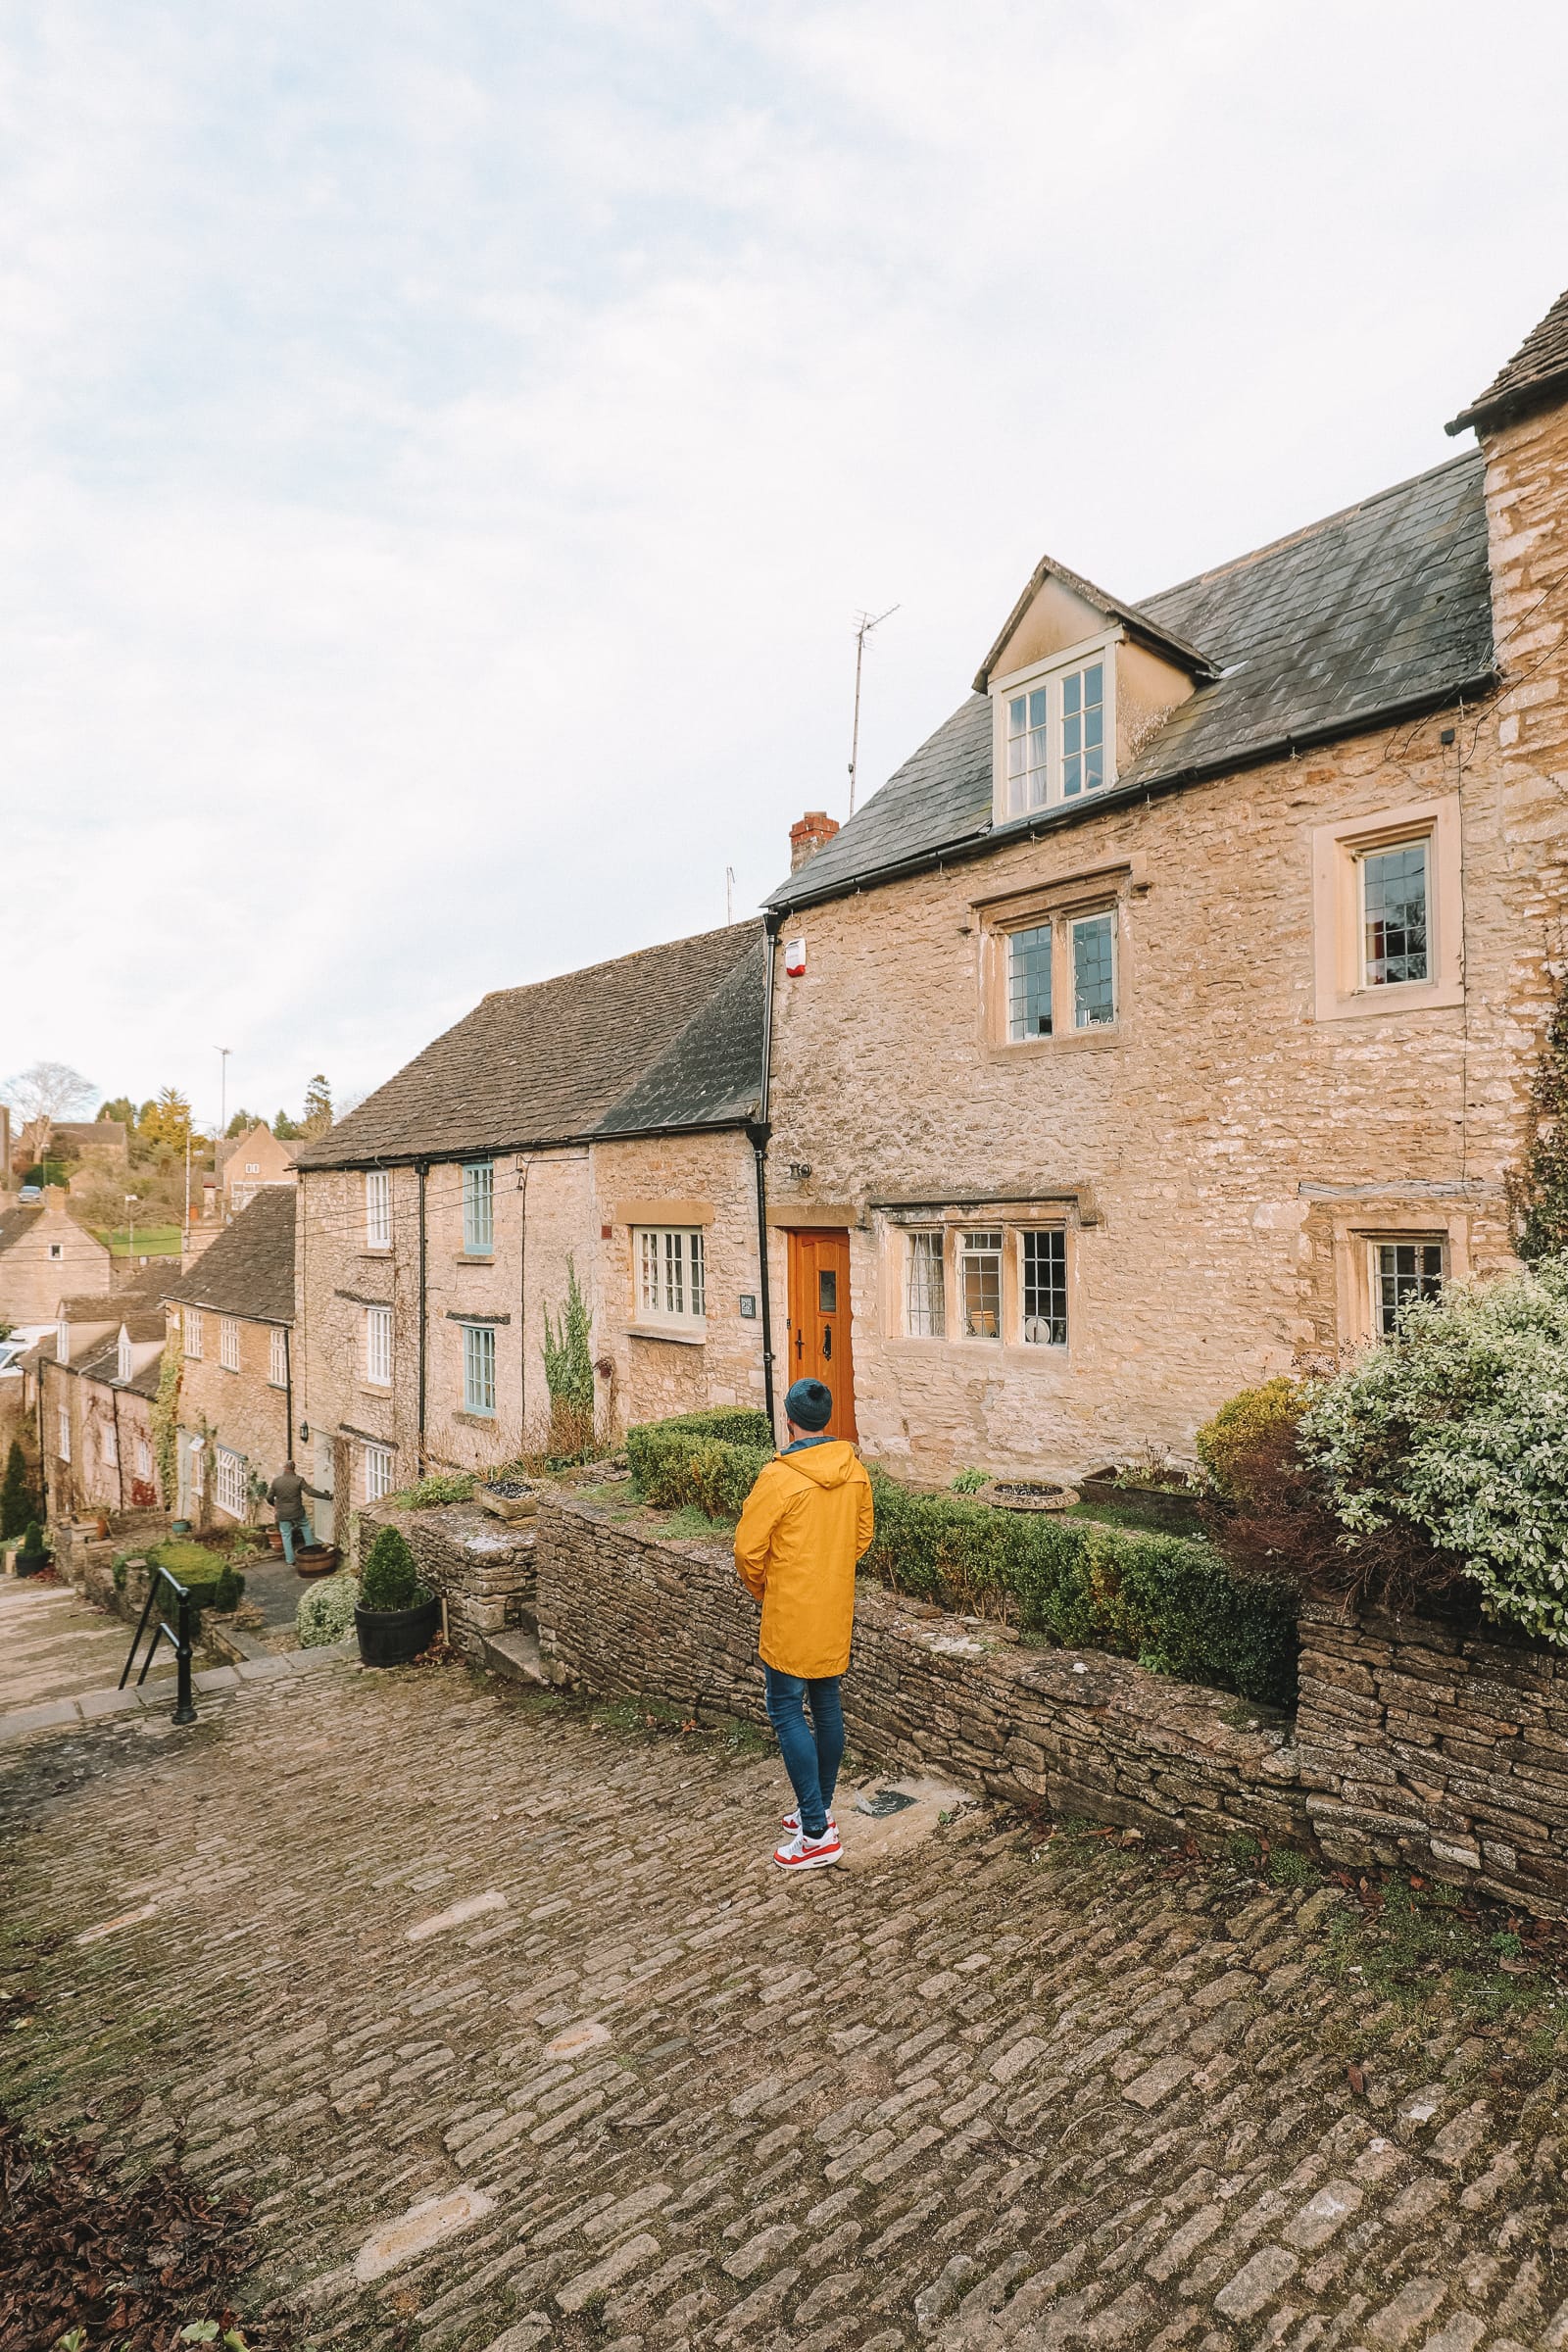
{"x": 1455, "y": 1433}
{"x": 33, "y": 1542}
{"x": 442, "y": 1486}
{"x": 1169, "y": 1601}
{"x": 390, "y": 1578}
{"x": 325, "y": 1613}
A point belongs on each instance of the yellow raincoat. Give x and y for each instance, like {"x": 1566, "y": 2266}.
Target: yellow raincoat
{"x": 805, "y": 1523}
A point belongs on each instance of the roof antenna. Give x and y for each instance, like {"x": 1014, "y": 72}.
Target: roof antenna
{"x": 729, "y": 894}
{"x": 864, "y": 626}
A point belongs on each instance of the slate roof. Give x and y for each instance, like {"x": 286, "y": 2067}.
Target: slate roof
{"x": 669, "y": 1036}
{"x": 249, "y": 1270}
{"x": 1537, "y": 372}
{"x": 1384, "y": 606}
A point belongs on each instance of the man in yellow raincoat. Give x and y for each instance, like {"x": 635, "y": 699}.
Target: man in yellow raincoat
{"x": 807, "y": 1521}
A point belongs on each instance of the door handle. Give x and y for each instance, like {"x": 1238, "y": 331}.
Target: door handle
{"x": 799, "y": 1342}
{"x": 827, "y": 1343}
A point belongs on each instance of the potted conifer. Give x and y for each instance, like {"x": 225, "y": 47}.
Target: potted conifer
{"x": 396, "y": 1615}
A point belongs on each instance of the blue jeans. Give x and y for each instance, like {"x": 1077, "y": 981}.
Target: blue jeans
{"x": 289, "y": 1529}
{"x": 812, "y": 1752}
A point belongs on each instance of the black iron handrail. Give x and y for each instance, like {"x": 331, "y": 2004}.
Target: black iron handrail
{"x": 178, "y": 1642}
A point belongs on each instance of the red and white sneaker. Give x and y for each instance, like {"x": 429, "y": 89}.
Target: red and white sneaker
{"x": 801, "y": 1852}
{"x": 792, "y": 1821}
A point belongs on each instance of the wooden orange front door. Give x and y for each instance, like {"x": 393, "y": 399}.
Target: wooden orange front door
{"x": 820, "y": 1321}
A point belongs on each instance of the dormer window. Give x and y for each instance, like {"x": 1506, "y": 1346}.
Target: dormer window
{"x": 122, "y": 1367}
{"x": 1055, "y": 731}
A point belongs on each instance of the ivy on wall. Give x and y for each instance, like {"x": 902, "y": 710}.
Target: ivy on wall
{"x": 165, "y": 1417}
{"x": 1538, "y": 1197}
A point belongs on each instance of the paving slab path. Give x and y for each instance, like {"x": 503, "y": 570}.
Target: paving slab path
{"x": 499, "y": 2012}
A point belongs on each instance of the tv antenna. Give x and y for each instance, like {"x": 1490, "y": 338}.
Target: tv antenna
{"x": 864, "y": 625}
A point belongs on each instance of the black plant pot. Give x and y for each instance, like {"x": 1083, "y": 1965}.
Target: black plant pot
{"x": 392, "y": 1637}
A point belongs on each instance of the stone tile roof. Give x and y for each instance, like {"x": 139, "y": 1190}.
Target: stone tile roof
{"x": 712, "y": 1074}
{"x": 550, "y": 1063}
{"x": 1381, "y": 607}
{"x": 1537, "y": 372}
{"x": 249, "y": 1270}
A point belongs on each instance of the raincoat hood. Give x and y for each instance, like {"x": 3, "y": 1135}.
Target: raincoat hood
{"x": 831, "y": 1465}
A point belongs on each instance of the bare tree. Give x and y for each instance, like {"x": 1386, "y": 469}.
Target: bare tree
{"x": 42, "y": 1093}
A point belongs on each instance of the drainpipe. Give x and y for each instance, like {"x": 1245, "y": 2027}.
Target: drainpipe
{"x": 524, "y": 1163}
{"x": 758, "y": 1131}
{"x": 288, "y": 1393}
{"x": 120, "y": 1459}
{"x": 422, "y": 1170}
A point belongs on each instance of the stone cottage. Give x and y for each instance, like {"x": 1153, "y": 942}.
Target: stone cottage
{"x": 1167, "y": 1021}
{"x": 597, "y": 1125}
{"x": 91, "y": 1384}
{"x": 232, "y": 1318}
{"x": 247, "y": 1162}
{"x": 46, "y": 1255}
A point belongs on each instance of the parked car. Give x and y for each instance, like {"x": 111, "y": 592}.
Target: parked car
{"x": 31, "y": 1191}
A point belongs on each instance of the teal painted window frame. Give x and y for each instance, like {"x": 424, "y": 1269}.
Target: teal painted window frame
{"x": 478, "y": 1208}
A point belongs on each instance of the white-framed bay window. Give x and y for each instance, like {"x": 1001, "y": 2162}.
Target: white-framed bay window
{"x": 670, "y": 1275}
{"x": 378, "y": 1347}
{"x": 1054, "y": 730}
{"x": 277, "y": 1358}
{"x": 1006, "y": 1281}
{"x": 376, "y": 1471}
{"x": 229, "y": 1481}
{"x": 378, "y": 1208}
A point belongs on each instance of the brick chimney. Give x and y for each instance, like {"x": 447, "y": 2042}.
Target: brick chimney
{"x": 814, "y": 832}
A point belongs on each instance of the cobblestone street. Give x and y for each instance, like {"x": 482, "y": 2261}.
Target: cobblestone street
{"x": 359, "y": 1944}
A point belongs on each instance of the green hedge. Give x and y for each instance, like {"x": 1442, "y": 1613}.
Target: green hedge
{"x": 1170, "y": 1602}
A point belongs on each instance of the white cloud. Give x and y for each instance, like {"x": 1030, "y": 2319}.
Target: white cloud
{"x": 447, "y": 446}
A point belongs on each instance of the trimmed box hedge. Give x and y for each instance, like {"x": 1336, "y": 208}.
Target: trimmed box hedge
{"x": 1169, "y": 1601}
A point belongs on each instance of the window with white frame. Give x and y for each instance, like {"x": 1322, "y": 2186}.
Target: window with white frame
{"x": 144, "y": 1459}
{"x": 925, "y": 1304}
{"x": 57, "y": 1248}
{"x": 228, "y": 1342}
{"x": 193, "y": 1331}
{"x": 670, "y": 1274}
{"x": 377, "y": 1209}
{"x": 980, "y": 1283}
{"x": 1083, "y": 730}
{"x": 122, "y": 1364}
{"x": 64, "y": 1447}
{"x": 1029, "y": 992}
{"x": 480, "y": 1209}
{"x": 478, "y": 1368}
{"x": 378, "y": 1347}
{"x": 228, "y": 1482}
{"x": 110, "y": 1445}
{"x": 1043, "y": 1276}
{"x": 277, "y": 1358}
{"x": 1405, "y": 1271}
{"x": 1394, "y": 890}
{"x": 1054, "y": 732}
{"x": 63, "y": 1341}
{"x": 376, "y": 1471}
{"x": 1093, "y": 970}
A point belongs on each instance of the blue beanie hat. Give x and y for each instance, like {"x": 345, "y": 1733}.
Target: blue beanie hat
{"x": 810, "y": 1404}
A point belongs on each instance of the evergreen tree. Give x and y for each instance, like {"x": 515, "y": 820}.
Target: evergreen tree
{"x": 318, "y": 1106}
{"x": 18, "y": 1503}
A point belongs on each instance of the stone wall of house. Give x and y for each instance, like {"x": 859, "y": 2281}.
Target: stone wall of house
{"x": 52, "y": 1257}
{"x": 551, "y": 1211}
{"x": 1224, "y": 1156}
{"x": 110, "y": 1436}
{"x": 241, "y": 1411}
{"x": 1414, "y": 1745}
{"x": 482, "y": 1567}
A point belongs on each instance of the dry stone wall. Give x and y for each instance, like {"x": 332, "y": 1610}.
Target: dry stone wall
{"x": 1415, "y": 1745}
{"x": 484, "y": 1568}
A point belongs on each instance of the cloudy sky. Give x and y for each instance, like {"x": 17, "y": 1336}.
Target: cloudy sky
{"x": 445, "y": 443}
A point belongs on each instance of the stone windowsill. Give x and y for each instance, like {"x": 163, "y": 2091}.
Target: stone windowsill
{"x": 658, "y": 1331}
